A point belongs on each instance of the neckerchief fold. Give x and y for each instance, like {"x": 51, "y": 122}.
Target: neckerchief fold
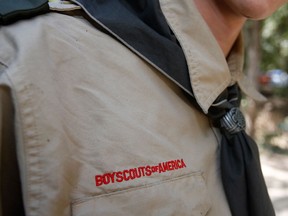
{"x": 241, "y": 173}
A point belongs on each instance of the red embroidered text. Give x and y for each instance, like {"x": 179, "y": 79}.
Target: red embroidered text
{"x": 134, "y": 173}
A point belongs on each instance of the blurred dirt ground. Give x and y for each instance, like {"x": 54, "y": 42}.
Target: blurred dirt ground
{"x": 270, "y": 129}
{"x": 275, "y": 170}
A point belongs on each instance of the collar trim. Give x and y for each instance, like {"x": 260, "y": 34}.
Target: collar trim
{"x": 208, "y": 68}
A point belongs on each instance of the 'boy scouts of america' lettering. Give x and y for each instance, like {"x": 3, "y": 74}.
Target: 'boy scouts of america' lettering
{"x": 139, "y": 172}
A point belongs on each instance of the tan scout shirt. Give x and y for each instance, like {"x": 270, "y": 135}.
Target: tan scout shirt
{"x": 99, "y": 131}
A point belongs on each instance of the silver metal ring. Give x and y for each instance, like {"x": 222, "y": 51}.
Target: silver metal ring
{"x": 233, "y": 121}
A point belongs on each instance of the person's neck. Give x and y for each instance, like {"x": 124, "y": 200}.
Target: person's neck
{"x": 224, "y": 24}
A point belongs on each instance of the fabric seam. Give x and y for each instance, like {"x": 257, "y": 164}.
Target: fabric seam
{"x": 26, "y": 139}
{"x": 195, "y": 174}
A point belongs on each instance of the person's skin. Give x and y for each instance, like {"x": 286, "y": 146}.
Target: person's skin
{"x": 227, "y": 17}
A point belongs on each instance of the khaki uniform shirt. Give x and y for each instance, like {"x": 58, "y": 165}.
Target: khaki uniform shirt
{"x": 100, "y": 131}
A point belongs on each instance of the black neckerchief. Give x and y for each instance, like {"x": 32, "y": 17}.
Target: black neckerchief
{"x": 242, "y": 178}
{"x": 14, "y": 10}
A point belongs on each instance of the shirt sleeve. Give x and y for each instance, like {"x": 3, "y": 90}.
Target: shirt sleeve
{"x": 10, "y": 185}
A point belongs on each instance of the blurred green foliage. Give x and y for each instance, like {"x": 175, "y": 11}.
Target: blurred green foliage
{"x": 280, "y": 92}
{"x": 274, "y": 41}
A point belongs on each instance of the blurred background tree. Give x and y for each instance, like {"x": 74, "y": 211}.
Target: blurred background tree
{"x": 274, "y": 41}
{"x": 266, "y": 45}
{"x": 267, "y": 49}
